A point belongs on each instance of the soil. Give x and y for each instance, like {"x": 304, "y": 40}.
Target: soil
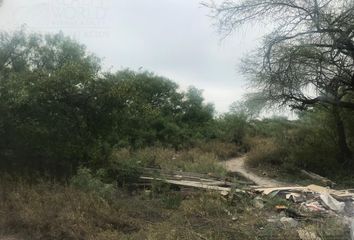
{"x": 237, "y": 165}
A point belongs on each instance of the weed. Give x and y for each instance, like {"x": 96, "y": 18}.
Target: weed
{"x": 86, "y": 181}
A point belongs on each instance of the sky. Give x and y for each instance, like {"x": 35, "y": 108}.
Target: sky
{"x": 172, "y": 38}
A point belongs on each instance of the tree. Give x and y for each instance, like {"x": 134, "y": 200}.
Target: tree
{"x": 50, "y": 103}
{"x": 151, "y": 111}
{"x": 58, "y": 110}
{"x": 307, "y": 59}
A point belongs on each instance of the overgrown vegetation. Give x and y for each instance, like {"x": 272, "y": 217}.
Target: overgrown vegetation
{"x": 307, "y": 143}
{"x": 305, "y": 63}
{"x": 60, "y": 111}
{"x": 80, "y": 211}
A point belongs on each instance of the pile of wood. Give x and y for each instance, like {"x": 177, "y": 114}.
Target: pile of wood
{"x": 191, "y": 180}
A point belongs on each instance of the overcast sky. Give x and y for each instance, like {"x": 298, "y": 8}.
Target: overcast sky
{"x": 173, "y": 38}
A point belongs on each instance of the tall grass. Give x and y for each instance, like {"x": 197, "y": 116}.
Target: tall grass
{"x": 192, "y": 160}
{"x": 50, "y": 211}
{"x": 265, "y": 152}
{"x": 47, "y": 211}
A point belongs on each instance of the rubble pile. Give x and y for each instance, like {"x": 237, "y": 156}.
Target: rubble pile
{"x": 314, "y": 199}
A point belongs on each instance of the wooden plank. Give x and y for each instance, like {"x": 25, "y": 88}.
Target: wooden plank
{"x": 179, "y": 175}
{"x": 267, "y": 191}
{"x": 317, "y": 177}
{"x": 193, "y": 184}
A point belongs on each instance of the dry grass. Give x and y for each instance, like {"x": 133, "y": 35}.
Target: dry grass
{"x": 92, "y": 209}
{"x": 265, "y": 151}
{"x": 193, "y": 160}
{"x": 50, "y": 211}
{"x": 222, "y": 150}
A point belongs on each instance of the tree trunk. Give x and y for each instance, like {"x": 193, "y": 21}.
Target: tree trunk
{"x": 345, "y": 155}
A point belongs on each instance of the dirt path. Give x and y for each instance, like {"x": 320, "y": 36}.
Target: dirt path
{"x": 238, "y": 165}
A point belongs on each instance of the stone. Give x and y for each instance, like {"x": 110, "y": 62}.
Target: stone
{"x": 258, "y": 203}
{"x": 289, "y": 222}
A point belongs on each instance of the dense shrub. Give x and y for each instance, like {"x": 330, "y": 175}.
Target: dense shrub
{"x": 88, "y": 182}
{"x": 310, "y": 143}
{"x": 60, "y": 111}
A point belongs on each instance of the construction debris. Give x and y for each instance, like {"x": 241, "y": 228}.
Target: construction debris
{"x": 280, "y": 208}
{"x": 258, "y": 202}
{"x": 312, "y": 206}
{"x": 311, "y": 197}
{"x": 302, "y": 194}
{"x": 295, "y": 197}
{"x": 310, "y": 200}
{"x": 192, "y": 180}
{"x": 314, "y": 198}
{"x": 332, "y": 203}
{"x": 314, "y": 176}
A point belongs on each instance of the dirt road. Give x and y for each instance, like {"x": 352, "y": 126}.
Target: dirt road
{"x": 238, "y": 165}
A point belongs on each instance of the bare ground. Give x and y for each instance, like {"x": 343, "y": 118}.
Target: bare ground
{"x": 237, "y": 165}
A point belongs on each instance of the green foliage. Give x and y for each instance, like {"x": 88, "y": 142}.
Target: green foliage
{"x": 124, "y": 171}
{"x": 312, "y": 145}
{"x": 307, "y": 143}
{"x": 43, "y": 97}
{"x": 88, "y": 182}
{"x": 172, "y": 200}
{"x": 59, "y": 111}
{"x": 233, "y": 127}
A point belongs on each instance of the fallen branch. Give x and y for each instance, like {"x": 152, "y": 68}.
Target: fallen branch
{"x": 317, "y": 177}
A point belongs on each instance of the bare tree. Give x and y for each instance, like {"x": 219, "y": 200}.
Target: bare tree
{"x": 307, "y": 59}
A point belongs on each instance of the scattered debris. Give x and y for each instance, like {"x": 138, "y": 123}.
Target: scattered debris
{"x": 258, "y": 202}
{"x": 295, "y": 197}
{"x": 280, "y": 208}
{"x": 332, "y": 203}
{"x": 340, "y": 195}
{"x": 224, "y": 193}
{"x": 312, "y": 200}
{"x": 191, "y": 180}
{"x": 313, "y": 206}
{"x": 193, "y": 184}
{"x": 314, "y": 176}
{"x": 317, "y": 200}
{"x": 313, "y": 197}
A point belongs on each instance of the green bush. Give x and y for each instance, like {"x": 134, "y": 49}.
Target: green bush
{"x": 86, "y": 181}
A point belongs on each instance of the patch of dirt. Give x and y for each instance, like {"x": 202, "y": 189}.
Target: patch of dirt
{"x": 238, "y": 165}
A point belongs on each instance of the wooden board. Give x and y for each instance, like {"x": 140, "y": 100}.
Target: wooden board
{"x": 194, "y": 184}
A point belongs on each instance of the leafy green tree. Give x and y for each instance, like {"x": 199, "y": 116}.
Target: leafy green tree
{"x": 197, "y": 115}
{"x": 60, "y": 111}
{"x": 47, "y": 102}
